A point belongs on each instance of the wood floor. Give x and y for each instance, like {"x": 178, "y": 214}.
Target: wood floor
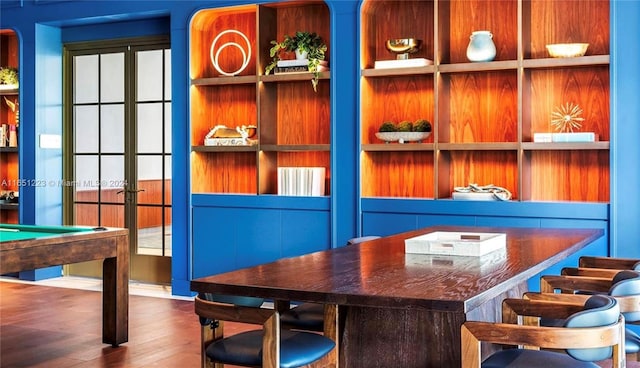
{"x": 53, "y": 327}
{"x": 57, "y": 327}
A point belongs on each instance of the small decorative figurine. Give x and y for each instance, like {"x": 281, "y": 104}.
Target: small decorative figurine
{"x": 566, "y": 118}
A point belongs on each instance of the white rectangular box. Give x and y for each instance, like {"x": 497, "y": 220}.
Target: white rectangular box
{"x": 456, "y": 243}
{"x": 402, "y": 63}
{"x": 543, "y": 137}
{"x": 575, "y": 137}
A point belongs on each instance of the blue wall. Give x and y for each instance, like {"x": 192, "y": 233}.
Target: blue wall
{"x": 43, "y": 26}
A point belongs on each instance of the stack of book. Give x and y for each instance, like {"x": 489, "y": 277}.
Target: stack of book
{"x": 301, "y": 181}
{"x": 298, "y": 66}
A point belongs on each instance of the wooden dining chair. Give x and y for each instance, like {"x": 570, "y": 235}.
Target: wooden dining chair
{"x": 624, "y": 285}
{"x": 616, "y": 263}
{"x": 593, "y": 332}
{"x": 270, "y": 346}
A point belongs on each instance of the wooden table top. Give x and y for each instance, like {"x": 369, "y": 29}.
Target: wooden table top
{"x": 378, "y": 273}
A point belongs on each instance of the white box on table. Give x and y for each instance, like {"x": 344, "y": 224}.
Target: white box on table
{"x": 456, "y": 243}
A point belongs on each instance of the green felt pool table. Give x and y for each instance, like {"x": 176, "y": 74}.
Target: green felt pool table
{"x": 27, "y": 247}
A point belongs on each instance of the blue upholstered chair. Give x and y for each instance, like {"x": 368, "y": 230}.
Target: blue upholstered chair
{"x": 270, "y": 346}
{"x": 592, "y": 332}
{"x": 309, "y": 316}
{"x": 624, "y": 285}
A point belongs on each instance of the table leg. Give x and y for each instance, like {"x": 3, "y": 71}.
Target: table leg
{"x": 115, "y": 296}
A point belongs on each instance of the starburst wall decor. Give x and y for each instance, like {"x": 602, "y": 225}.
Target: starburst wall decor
{"x": 566, "y": 118}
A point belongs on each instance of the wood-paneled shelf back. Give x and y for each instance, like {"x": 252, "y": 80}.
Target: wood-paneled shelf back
{"x": 293, "y": 122}
{"x": 486, "y": 113}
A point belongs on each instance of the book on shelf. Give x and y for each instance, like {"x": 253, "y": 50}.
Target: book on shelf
{"x": 298, "y": 66}
{"x": 301, "y": 181}
{"x": 565, "y": 137}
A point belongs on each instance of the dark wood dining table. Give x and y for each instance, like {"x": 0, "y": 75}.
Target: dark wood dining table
{"x": 405, "y": 310}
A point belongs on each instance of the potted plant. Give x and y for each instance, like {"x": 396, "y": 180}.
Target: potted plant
{"x": 9, "y": 76}
{"x": 306, "y": 45}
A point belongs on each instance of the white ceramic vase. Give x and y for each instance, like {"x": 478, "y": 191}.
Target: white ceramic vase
{"x": 301, "y": 55}
{"x": 481, "y": 47}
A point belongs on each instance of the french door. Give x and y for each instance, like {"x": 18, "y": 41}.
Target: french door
{"x": 118, "y": 148}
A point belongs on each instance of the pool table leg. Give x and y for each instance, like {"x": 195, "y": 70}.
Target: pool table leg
{"x": 115, "y": 295}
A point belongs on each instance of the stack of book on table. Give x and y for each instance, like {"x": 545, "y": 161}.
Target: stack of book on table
{"x": 301, "y": 181}
{"x": 298, "y": 66}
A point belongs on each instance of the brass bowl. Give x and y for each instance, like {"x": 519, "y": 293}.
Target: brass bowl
{"x": 560, "y": 50}
{"x": 403, "y": 45}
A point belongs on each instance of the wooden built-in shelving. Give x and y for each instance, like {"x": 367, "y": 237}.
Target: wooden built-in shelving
{"x": 9, "y": 162}
{"x": 293, "y": 120}
{"x": 484, "y": 115}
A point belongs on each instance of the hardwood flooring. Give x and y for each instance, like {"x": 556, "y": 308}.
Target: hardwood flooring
{"x": 57, "y": 327}
{"x": 53, "y": 327}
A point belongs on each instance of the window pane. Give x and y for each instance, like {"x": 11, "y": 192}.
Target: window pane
{"x": 112, "y": 172}
{"x": 86, "y": 171}
{"x": 85, "y": 79}
{"x": 167, "y": 74}
{"x": 152, "y": 235}
{"x": 150, "y": 179}
{"x": 112, "y": 215}
{"x": 149, "y": 75}
{"x": 167, "y": 127}
{"x": 167, "y": 181}
{"x": 150, "y": 128}
{"x": 112, "y": 77}
{"x": 86, "y": 214}
{"x": 112, "y": 128}
{"x": 85, "y": 125}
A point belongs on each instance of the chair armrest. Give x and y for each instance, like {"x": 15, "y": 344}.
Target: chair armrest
{"x": 557, "y": 309}
{"x": 550, "y": 283}
{"x": 591, "y": 272}
{"x": 229, "y": 312}
{"x": 472, "y": 333}
{"x": 564, "y": 298}
{"x": 608, "y": 262}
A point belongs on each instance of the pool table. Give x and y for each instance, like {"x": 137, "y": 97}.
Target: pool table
{"x": 27, "y": 247}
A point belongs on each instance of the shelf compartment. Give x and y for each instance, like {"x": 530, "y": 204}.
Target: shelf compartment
{"x": 581, "y": 176}
{"x": 478, "y": 107}
{"x": 588, "y": 87}
{"x": 566, "y": 62}
{"x": 562, "y": 146}
{"x": 395, "y": 99}
{"x": 253, "y": 148}
{"x": 295, "y": 148}
{"x": 232, "y": 102}
{"x": 294, "y": 114}
{"x": 490, "y": 146}
{"x": 581, "y": 21}
{"x": 294, "y": 77}
{"x": 391, "y": 147}
{"x": 383, "y": 20}
{"x": 390, "y": 72}
{"x": 270, "y": 161}
{"x": 460, "y": 168}
{"x": 478, "y": 67}
{"x": 224, "y": 172}
{"x": 223, "y": 81}
{"x": 397, "y": 174}
{"x": 206, "y": 25}
{"x": 458, "y": 18}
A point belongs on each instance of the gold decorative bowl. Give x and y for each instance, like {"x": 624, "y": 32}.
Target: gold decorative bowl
{"x": 563, "y": 50}
{"x": 403, "y": 45}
